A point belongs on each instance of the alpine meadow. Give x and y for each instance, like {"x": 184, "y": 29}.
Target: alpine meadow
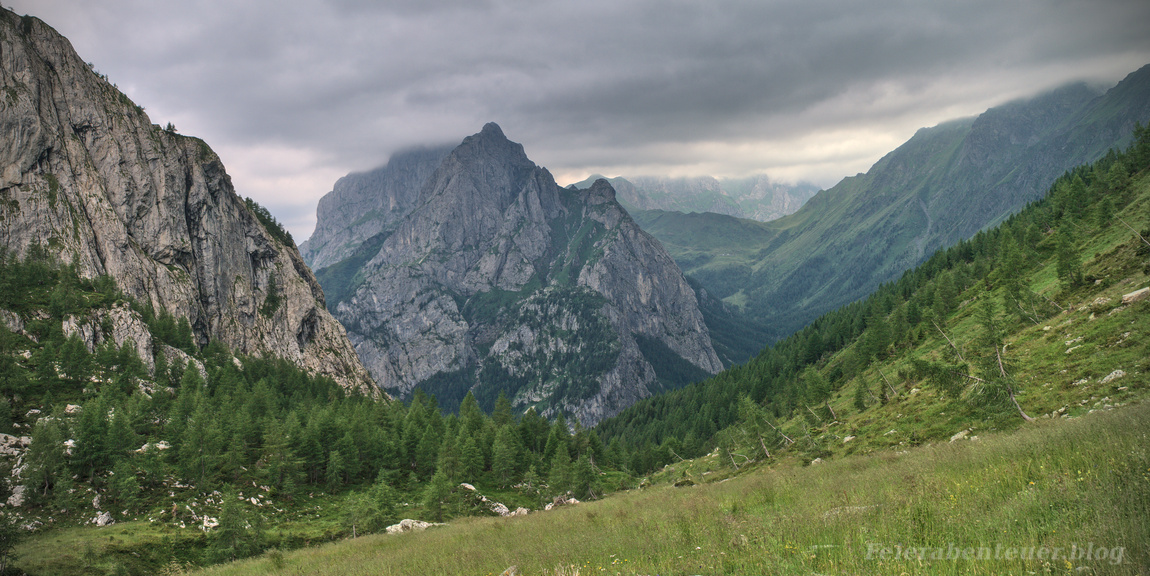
{"x": 938, "y": 366}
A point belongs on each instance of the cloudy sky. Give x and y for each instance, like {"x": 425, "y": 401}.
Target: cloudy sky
{"x": 295, "y": 93}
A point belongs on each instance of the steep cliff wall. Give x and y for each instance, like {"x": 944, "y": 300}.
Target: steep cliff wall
{"x": 84, "y": 172}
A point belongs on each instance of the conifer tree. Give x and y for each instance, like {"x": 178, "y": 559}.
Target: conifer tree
{"x": 583, "y": 478}
{"x": 505, "y": 455}
{"x": 470, "y": 458}
{"x": 45, "y": 461}
{"x": 501, "y": 415}
{"x": 559, "y": 480}
{"x": 436, "y": 494}
{"x": 1068, "y": 265}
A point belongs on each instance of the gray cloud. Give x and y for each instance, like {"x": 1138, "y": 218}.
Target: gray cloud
{"x": 296, "y": 93}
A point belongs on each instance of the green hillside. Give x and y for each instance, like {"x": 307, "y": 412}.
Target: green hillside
{"x": 942, "y": 186}
{"x": 1031, "y": 309}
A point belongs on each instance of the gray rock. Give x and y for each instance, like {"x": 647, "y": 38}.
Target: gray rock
{"x": 12, "y": 322}
{"x": 498, "y": 277}
{"x": 363, "y": 205}
{"x": 85, "y": 173}
{"x": 126, "y": 327}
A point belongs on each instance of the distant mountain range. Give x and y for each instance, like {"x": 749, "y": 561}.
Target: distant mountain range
{"x": 943, "y": 185}
{"x": 756, "y": 197}
{"x": 471, "y": 270}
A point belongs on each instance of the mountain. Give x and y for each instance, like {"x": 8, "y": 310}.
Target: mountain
{"x": 364, "y": 205}
{"x": 943, "y": 185}
{"x": 1037, "y": 317}
{"x": 499, "y": 280}
{"x": 755, "y": 197}
{"x": 87, "y": 176}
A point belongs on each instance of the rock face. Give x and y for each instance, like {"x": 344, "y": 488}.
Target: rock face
{"x": 500, "y": 280}
{"x": 363, "y": 206}
{"x": 85, "y": 174}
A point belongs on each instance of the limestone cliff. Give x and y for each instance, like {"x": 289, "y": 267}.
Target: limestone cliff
{"x": 500, "y": 280}
{"x": 85, "y": 173}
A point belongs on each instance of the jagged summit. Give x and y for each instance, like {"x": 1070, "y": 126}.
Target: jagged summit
{"x": 500, "y": 280}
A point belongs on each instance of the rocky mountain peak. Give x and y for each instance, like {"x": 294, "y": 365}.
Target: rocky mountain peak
{"x": 499, "y": 280}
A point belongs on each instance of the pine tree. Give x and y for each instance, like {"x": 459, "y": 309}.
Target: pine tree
{"x": 44, "y": 463}
{"x": 1068, "y": 265}
{"x": 386, "y": 502}
{"x": 583, "y": 478}
{"x": 124, "y": 487}
{"x": 240, "y": 533}
{"x": 436, "y": 495}
{"x": 559, "y": 480}
{"x": 996, "y": 385}
{"x": 502, "y": 415}
{"x": 358, "y": 513}
{"x": 336, "y": 468}
{"x": 505, "y": 455}
{"x": 470, "y": 458}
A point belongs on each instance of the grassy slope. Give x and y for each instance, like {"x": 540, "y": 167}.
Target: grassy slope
{"x": 1057, "y": 484}
{"x": 1079, "y": 475}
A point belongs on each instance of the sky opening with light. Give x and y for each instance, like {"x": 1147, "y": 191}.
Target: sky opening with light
{"x": 294, "y": 94}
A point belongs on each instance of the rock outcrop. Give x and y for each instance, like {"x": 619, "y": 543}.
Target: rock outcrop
{"x": 86, "y": 175}
{"x": 499, "y": 280}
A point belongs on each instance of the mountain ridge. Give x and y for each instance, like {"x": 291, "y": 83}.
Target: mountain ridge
{"x": 944, "y": 184}
{"x": 755, "y": 197}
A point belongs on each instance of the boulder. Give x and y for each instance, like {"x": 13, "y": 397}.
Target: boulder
{"x": 409, "y": 525}
{"x": 1136, "y": 296}
{"x": 1113, "y": 376}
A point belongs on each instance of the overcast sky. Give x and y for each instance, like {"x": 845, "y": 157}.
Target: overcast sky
{"x": 293, "y": 94}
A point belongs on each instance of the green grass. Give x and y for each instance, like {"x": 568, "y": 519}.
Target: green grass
{"x": 1056, "y": 484}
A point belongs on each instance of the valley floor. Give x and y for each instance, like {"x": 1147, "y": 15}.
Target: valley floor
{"x": 1057, "y": 496}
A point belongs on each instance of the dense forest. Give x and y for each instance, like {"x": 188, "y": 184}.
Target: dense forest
{"x": 798, "y": 375}
{"x": 147, "y": 437}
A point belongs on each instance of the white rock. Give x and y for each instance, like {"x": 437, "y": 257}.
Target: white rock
{"x": 1113, "y": 376}
{"x": 959, "y": 435}
{"x": 17, "y": 497}
{"x": 104, "y": 519}
{"x": 409, "y": 525}
{"x": 848, "y": 439}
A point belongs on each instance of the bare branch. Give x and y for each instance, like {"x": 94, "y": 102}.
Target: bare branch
{"x": 952, "y": 344}
{"x": 1147, "y": 242}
